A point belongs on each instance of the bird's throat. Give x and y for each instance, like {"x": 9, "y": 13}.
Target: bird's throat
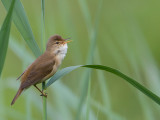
{"x": 61, "y": 52}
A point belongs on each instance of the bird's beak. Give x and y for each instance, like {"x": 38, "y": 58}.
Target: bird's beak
{"x": 67, "y": 40}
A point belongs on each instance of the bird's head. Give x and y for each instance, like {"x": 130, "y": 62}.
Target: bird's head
{"x": 56, "y": 43}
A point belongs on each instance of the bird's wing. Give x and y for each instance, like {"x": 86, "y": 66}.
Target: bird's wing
{"x": 20, "y": 76}
{"x": 37, "y": 72}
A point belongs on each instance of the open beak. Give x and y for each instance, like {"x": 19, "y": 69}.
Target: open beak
{"x": 67, "y": 41}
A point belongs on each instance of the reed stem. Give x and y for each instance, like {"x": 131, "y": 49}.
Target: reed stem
{"x": 43, "y": 48}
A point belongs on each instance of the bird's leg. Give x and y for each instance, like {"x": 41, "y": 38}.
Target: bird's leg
{"x": 43, "y": 94}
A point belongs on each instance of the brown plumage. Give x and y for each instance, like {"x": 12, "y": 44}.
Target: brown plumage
{"x": 45, "y": 65}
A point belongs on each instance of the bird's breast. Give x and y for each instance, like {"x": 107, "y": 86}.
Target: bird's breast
{"x": 59, "y": 56}
{"x": 61, "y": 53}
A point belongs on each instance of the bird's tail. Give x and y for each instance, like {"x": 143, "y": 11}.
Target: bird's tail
{"x": 17, "y": 95}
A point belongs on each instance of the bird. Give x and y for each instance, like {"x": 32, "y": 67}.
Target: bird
{"x": 44, "y": 66}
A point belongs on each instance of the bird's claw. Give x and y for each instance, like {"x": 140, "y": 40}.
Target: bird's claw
{"x": 44, "y": 94}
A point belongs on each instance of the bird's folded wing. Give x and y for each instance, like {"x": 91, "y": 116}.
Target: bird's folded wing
{"x": 20, "y": 75}
{"x": 37, "y": 73}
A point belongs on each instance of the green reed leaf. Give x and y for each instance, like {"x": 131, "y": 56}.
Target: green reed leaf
{"x": 4, "y": 35}
{"x": 60, "y": 74}
{"x": 133, "y": 82}
{"x": 21, "y": 21}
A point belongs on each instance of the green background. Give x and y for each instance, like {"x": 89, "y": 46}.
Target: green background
{"x": 127, "y": 38}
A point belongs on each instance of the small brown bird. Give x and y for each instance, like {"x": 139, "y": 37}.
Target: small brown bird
{"x": 45, "y": 65}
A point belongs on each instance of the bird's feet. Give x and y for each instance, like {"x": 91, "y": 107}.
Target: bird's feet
{"x": 44, "y": 94}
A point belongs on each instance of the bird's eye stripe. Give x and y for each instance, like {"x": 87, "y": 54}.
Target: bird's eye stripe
{"x": 57, "y": 42}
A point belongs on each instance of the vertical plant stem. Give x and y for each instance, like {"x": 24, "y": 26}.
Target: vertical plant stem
{"x": 43, "y": 48}
{"x": 43, "y": 43}
{"x": 44, "y": 103}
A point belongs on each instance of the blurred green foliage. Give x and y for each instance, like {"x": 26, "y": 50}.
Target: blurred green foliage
{"x": 127, "y": 38}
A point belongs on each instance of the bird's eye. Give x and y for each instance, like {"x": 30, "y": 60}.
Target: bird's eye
{"x": 57, "y": 42}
